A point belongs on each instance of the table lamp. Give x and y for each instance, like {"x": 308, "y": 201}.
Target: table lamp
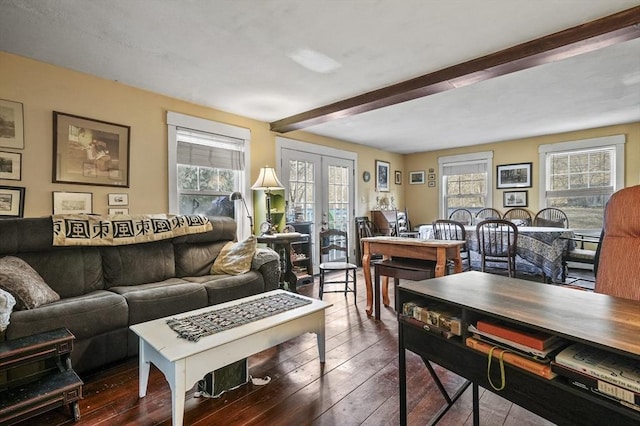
{"x": 235, "y": 196}
{"x": 267, "y": 181}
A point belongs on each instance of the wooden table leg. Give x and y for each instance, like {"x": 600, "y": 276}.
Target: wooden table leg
{"x": 441, "y": 262}
{"x": 366, "y": 269}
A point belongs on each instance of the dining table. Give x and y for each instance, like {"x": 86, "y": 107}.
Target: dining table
{"x": 540, "y": 248}
{"x": 439, "y": 251}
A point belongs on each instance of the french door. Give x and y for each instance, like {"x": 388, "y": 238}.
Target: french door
{"x": 320, "y": 190}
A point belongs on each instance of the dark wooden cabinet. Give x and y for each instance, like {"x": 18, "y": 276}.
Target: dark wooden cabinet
{"x": 302, "y": 253}
{"x": 38, "y": 376}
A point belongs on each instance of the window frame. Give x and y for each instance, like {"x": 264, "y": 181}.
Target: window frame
{"x": 176, "y": 120}
{"x": 617, "y": 142}
{"x": 451, "y": 160}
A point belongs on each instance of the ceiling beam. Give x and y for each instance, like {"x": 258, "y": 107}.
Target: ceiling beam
{"x": 594, "y": 35}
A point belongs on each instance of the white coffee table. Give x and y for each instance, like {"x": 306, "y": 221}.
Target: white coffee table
{"x": 184, "y": 363}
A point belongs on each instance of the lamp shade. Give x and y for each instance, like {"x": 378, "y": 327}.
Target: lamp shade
{"x": 235, "y": 196}
{"x": 267, "y": 180}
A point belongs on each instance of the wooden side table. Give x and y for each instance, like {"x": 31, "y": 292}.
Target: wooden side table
{"x": 281, "y": 243}
{"x": 55, "y": 384}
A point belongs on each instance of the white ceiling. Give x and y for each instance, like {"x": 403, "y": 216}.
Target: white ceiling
{"x": 236, "y": 56}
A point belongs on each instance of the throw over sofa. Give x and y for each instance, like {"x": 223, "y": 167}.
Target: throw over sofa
{"x": 105, "y": 289}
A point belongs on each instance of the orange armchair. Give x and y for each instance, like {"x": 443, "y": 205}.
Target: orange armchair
{"x": 618, "y": 272}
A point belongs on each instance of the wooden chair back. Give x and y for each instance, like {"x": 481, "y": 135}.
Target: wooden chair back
{"x": 463, "y": 216}
{"x": 488, "y": 213}
{"x": 519, "y": 213}
{"x": 497, "y": 243}
{"x": 551, "y": 217}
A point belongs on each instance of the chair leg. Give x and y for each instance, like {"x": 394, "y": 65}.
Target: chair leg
{"x": 321, "y": 286}
{"x": 346, "y": 282}
{"x": 355, "y": 286}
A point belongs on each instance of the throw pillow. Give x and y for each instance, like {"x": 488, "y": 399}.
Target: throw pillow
{"x": 235, "y": 258}
{"x": 25, "y": 284}
{"x": 7, "y": 302}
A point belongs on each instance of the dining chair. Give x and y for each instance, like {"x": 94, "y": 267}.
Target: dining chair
{"x": 463, "y": 216}
{"x": 518, "y": 214}
{"x": 334, "y": 247}
{"x": 403, "y": 226}
{"x": 488, "y": 213}
{"x": 444, "y": 229}
{"x": 618, "y": 255}
{"x": 551, "y": 217}
{"x": 497, "y": 242}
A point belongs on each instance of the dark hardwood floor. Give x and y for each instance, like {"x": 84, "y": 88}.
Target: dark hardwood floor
{"x": 357, "y": 385}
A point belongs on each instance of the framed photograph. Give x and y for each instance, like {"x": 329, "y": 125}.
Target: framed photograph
{"x": 90, "y": 152}
{"x": 431, "y": 184}
{"x": 398, "y": 177}
{"x": 11, "y": 201}
{"x": 118, "y": 199}
{"x": 10, "y": 165}
{"x": 431, "y": 176}
{"x": 515, "y": 199}
{"x": 119, "y": 211}
{"x": 416, "y": 178}
{"x": 514, "y": 176}
{"x": 72, "y": 202}
{"x": 11, "y": 124}
{"x": 382, "y": 176}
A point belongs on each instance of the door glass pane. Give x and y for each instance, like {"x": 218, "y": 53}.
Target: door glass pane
{"x": 301, "y": 182}
{"x": 338, "y": 198}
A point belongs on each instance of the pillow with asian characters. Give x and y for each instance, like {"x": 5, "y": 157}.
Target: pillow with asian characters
{"x": 19, "y": 279}
{"x": 235, "y": 258}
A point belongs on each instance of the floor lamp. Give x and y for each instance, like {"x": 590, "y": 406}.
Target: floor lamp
{"x": 267, "y": 181}
{"x": 234, "y": 196}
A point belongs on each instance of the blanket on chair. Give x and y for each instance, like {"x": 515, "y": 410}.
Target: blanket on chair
{"x": 98, "y": 230}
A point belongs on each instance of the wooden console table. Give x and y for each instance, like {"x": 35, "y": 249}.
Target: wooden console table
{"x": 593, "y": 319}
{"x": 412, "y": 248}
{"x": 54, "y": 385}
{"x": 281, "y": 243}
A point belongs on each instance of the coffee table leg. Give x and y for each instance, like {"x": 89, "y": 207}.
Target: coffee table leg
{"x": 178, "y": 389}
{"x": 321, "y": 341}
{"x": 143, "y": 369}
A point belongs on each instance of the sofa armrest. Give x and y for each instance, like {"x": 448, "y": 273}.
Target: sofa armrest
{"x": 267, "y": 262}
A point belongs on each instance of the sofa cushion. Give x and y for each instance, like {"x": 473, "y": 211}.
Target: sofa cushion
{"x": 84, "y": 316}
{"x": 138, "y": 263}
{"x": 160, "y": 299}
{"x": 24, "y": 284}
{"x": 70, "y": 271}
{"x": 196, "y": 259}
{"x": 224, "y": 288}
{"x": 235, "y": 258}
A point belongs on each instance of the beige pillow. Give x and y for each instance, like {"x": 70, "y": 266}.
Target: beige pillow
{"x": 25, "y": 284}
{"x": 235, "y": 258}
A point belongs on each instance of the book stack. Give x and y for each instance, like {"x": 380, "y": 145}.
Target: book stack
{"x": 524, "y": 348}
{"x": 608, "y": 375}
{"x": 432, "y": 317}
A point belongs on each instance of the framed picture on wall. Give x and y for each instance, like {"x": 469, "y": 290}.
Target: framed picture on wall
{"x": 118, "y": 211}
{"x": 90, "y": 152}
{"x": 11, "y": 124}
{"x": 10, "y": 165}
{"x": 118, "y": 199}
{"x": 515, "y": 198}
{"x": 398, "y": 177}
{"x": 11, "y": 201}
{"x": 416, "y": 178}
{"x": 514, "y": 175}
{"x": 72, "y": 202}
{"x": 382, "y": 176}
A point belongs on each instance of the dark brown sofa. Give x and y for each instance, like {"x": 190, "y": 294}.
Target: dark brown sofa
{"x": 104, "y": 290}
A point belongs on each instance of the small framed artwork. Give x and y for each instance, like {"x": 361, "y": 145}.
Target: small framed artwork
{"x": 514, "y": 176}
{"x": 11, "y": 201}
{"x": 382, "y": 176}
{"x": 431, "y": 176}
{"x": 119, "y": 211}
{"x": 72, "y": 202}
{"x": 515, "y": 198}
{"x": 118, "y": 199}
{"x": 10, "y": 165}
{"x": 11, "y": 124}
{"x": 431, "y": 170}
{"x": 90, "y": 152}
{"x": 416, "y": 178}
{"x": 398, "y": 177}
{"x": 431, "y": 184}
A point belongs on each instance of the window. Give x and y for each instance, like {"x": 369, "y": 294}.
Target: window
{"x": 206, "y": 164}
{"x": 580, "y": 176}
{"x": 466, "y": 182}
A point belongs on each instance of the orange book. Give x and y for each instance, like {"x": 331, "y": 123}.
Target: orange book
{"x": 540, "y": 369}
{"x": 527, "y": 337}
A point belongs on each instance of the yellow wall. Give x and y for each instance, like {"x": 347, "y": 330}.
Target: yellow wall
{"x": 422, "y": 201}
{"x": 44, "y": 88}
